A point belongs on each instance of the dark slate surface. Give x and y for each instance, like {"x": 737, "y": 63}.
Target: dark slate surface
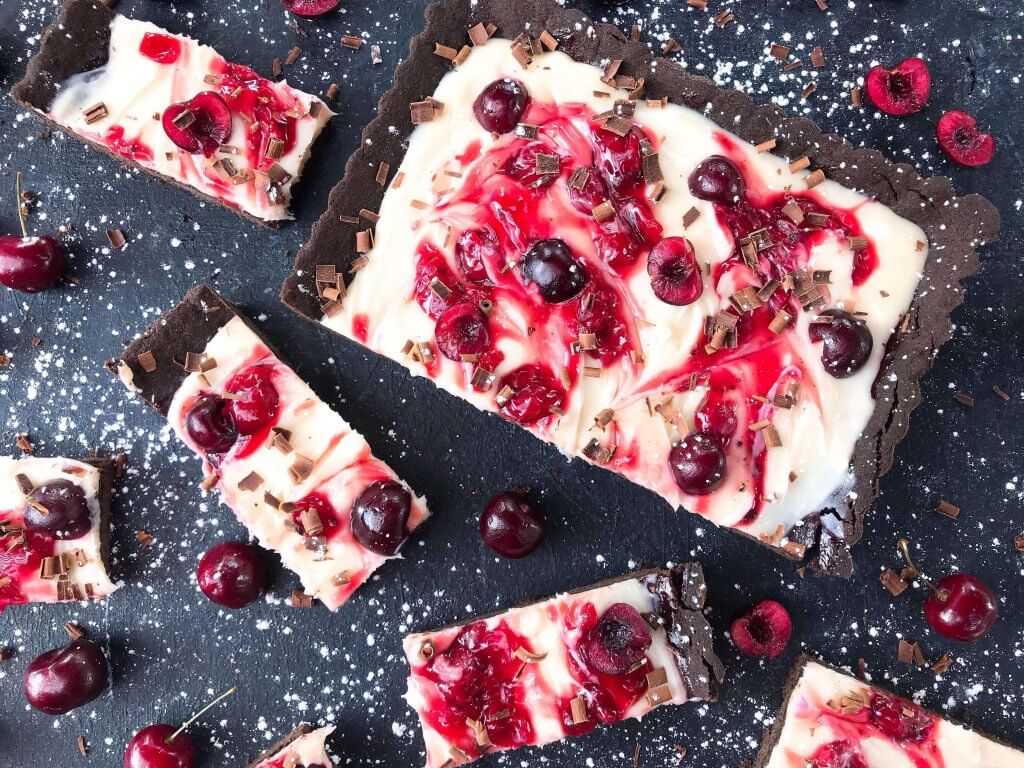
{"x": 171, "y": 649}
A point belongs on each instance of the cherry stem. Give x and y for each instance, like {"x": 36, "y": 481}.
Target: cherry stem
{"x": 200, "y": 713}
{"x": 21, "y": 211}
{"x": 904, "y": 546}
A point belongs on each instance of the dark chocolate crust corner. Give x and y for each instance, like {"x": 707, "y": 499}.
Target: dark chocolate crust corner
{"x": 79, "y": 41}
{"x": 295, "y": 734}
{"x": 955, "y": 226}
{"x": 187, "y": 327}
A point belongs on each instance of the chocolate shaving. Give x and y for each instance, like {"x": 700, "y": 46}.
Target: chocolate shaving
{"x": 690, "y": 217}
{"x": 144, "y": 538}
{"x": 250, "y": 482}
{"x": 351, "y": 41}
{"x": 597, "y": 452}
{"x": 300, "y": 599}
{"x": 478, "y": 34}
{"x": 765, "y": 146}
{"x": 671, "y": 46}
{"x": 799, "y": 165}
{"x": 578, "y": 709}
{"x": 964, "y": 399}
{"x": 780, "y": 52}
{"x": 1000, "y": 392}
{"x": 893, "y": 582}
{"x": 116, "y": 238}
{"x": 74, "y": 631}
{"x": 83, "y": 747}
{"x": 947, "y": 509}
{"x": 604, "y": 211}
{"x": 293, "y": 56}
{"x": 184, "y": 119}
{"x": 24, "y": 444}
{"x": 98, "y": 112}
{"x": 942, "y": 664}
{"x": 301, "y": 469}
{"x": 817, "y": 57}
{"x": 548, "y": 40}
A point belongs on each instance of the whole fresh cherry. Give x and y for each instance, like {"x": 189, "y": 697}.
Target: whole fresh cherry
{"x": 717, "y": 180}
{"x": 167, "y": 746}
{"x": 380, "y": 517}
{"x": 30, "y": 263}
{"x": 511, "y": 526}
{"x": 209, "y": 422}
{"x": 256, "y": 400}
{"x": 501, "y": 104}
{"x": 846, "y": 342}
{"x": 66, "y": 678}
{"x": 698, "y": 463}
{"x": 960, "y": 606}
{"x": 550, "y": 265}
{"x": 232, "y": 574}
{"x": 58, "y": 508}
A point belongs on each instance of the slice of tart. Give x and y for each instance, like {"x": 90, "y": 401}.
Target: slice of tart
{"x": 303, "y": 747}
{"x": 830, "y": 719}
{"x": 174, "y": 108}
{"x": 54, "y": 529}
{"x": 644, "y": 270}
{"x": 560, "y": 667}
{"x": 296, "y": 475}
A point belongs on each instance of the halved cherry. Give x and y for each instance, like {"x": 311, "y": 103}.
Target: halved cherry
{"x": 462, "y": 330}
{"x": 256, "y": 399}
{"x": 200, "y": 124}
{"x": 619, "y": 640}
{"x": 675, "y": 276}
{"x": 532, "y": 392}
{"x": 961, "y": 140}
{"x": 619, "y": 161}
{"x": 310, "y": 8}
{"x": 902, "y": 90}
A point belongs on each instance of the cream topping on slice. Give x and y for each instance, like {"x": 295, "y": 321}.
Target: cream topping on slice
{"x": 627, "y": 409}
{"x": 307, "y": 751}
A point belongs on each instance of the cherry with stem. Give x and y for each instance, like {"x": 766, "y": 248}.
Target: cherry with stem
{"x": 164, "y": 746}
{"x": 960, "y": 606}
{"x": 29, "y": 263}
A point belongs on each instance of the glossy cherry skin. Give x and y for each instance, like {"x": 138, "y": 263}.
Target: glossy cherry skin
{"x": 67, "y": 512}
{"x": 500, "y": 105}
{"x": 66, "y": 678}
{"x": 619, "y": 160}
{"x": 899, "y": 719}
{"x": 549, "y": 264}
{"x": 209, "y": 422}
{"x": 149, "y": 748}
{"x": 618, "y": 641}
{"x": 257, "y": 400}
{"x": 511, "y": 526}
{"x": 462, "y": 330}
{"x": 534, "y": 392}
{"x": 675, "y": 276}
{"x": 31, "y": 264}
{"x": 698, "y": 463}
{"x": 968, "y": 611}
{"x": 837, "y": 754}
{"x": 717, "y": 180}
{"x": 232, "y": 574}
{"x": 380, "y": 517}
{"x": 847, "y": 343}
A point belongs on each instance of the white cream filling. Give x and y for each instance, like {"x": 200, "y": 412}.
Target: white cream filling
{"x": 307, "y": 750}
{"x": 344, "y": 466}
{"x": 804, "y": 732}
{"x": 818, "y": 436}
{"x": 549, "y": 680}
{"x": 136, "y": 90}
{"x": 12, "y": 506}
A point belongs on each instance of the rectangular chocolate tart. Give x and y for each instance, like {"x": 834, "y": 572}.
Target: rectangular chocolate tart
{"x": 174, "y": 108}
{"x": 291, "y": 469}
{"x": 302, "y": 746}
{"x": 445, "y": 231}
{"x": 548, "y": 674}
{"x": 829, "y": 718}
{"x": 49, "y": 563}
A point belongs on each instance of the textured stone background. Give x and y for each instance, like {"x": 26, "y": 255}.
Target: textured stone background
{"x": 172, "y": 649}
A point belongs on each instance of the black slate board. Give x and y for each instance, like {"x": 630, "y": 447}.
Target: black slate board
{"x": 172, "y": 649}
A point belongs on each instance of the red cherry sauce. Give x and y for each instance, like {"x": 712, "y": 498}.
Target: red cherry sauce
{"x": 266, "y": 374}
{"x": 608, "y": 697}
{"x": 133, "y": 149}
{"x": 163, "y": 49}
{"x": 20, "y": 557}
{"x": 478, "y": 676}
{"x": 518, "y": 208}
{"x": 902, "y": 723}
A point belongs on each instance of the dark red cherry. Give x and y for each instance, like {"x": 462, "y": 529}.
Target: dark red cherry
{"x": 763, "y": 630}
{"x": 961, "y": 140}
{"x": 200, "y": 124}
{"x": 150, "y": 748}
{"x": 30, "y": 264}
{"x": 501, "y": 104}
{"x": 66, "y": 678}
{"x": 961, "y": 607}
{"x": 718, "y": 180}
{"x": 617, "y": 249}
{"x": 210, "y": 424}
{"x": 549, "y": 264}
{"x": 637, "y": 221}
{"x": 675, "y": 276}
{"x": 698, "y": 463}
{"x": 720, "y": 420}
{"x": 462, "y": 330}
{"x": 838, "y": 754}
{"x": 232, "y": 574}
{"x": 619, "y": 160}
{"x": 619, "y": 641}
{"x": 380, "y": 517}
{"x": 256, "y": 402}
{"x": 591, "y": 194}
{"x": 310, "y": 8}
{"x": 67, "y": 514}
{"x": 847, "y": 342}
{"x": 523, "y": 165}
{"x": 167, "y": 746}
{"x": 899, "y": 719}
{"x": 511, "y": 526}
{"x": 902, "y": 90}
{"x": 474, "y": 249}
{"x": 532, "y": 393}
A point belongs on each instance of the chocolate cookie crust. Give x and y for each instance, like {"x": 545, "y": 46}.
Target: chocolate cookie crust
{"x": 283, "y": 743}
{"x": 682, "y": 595}
{"x": 79, "y": 41}
{"x": 955, "y": 226}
